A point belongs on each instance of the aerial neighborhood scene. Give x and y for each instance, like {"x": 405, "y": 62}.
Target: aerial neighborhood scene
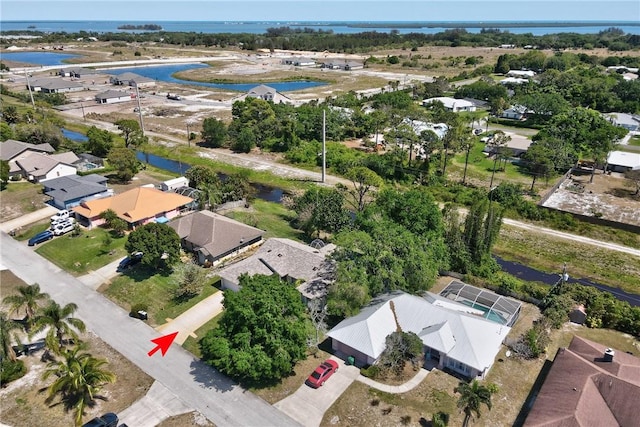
{"x": 305, "y": 213}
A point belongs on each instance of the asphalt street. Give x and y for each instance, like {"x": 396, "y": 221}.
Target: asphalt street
{"x": 198, "y": 386}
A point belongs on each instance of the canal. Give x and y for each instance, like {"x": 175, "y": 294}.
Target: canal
{"x": 263, "y": 192}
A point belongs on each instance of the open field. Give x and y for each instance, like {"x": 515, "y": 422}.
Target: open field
{"x": 20, "y": 198}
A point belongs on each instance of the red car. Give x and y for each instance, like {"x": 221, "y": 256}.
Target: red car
{"x": 322, "y": 373}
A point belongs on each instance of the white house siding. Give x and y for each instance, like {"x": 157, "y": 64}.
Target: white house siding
{"x": 60, "y": 170}
{"x": 227, "y": 284}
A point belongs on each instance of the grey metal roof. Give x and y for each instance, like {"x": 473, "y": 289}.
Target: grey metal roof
{"x": 74, "y": 187}
{"x": 11, "y": 148}
{"x": 214, "y": 233}
{"x": 128, "y": 76}
{"x": 109, "y": 94}
{"x": 477, "y": 340}
{"x": 262, "y": 90}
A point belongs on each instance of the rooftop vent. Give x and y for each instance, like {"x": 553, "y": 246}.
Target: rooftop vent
{"x": 608, "y": 355}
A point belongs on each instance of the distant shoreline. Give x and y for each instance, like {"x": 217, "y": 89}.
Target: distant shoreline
{"x": 487, "y": 24}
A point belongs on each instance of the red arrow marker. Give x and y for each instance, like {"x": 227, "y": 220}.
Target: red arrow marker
{"x": 162, "y": 343}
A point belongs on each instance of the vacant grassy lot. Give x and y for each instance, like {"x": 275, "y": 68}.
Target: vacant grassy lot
{"x": 635, "y": 140}
{"x": 547, "y": 253}
{"x": 140, "y": 286}
{"x": 80, "y": 254}
{"x": 274, "y": 218}
{"x": 20, "y": 198}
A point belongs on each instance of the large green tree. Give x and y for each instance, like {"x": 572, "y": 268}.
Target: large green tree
{"x": 131, "y": 132}
{"x": 321, "y": 209}
{"x": 364, "y": 180}
{"x": 100, "y": 141}
{"x": 78, "y": 378}
{"x": 214, "y": 132}
{"x": 262, "y": 332}
{"x": 472, "y": 397}
{"x": 159, "y": 243}
{"x": 125, "y": 162}
{"x": 538, "y": 161}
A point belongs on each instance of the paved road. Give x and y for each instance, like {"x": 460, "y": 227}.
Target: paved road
{"x": 196, "y": 385}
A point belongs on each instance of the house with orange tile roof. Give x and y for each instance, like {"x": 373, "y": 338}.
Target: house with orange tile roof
{"x": 137, "y": 207}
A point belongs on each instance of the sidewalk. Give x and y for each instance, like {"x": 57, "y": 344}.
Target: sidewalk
{"x": 94, "y": 279}
{"x": 189, "y": 321}
{"x": 156, "y": 406}
{"x": 402, "y": 388}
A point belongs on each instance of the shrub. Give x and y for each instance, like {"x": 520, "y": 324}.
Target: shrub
{"x": 11, "y": 370}
{"x": 372, "y": 372}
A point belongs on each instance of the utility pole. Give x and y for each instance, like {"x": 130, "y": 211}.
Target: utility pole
{"x": 139, "y": 110}
{"x": 188, "y": 135}
{"x": 83, "y": 116}
{"x": 324, "y": 145}
{"x": 26, "y": 76}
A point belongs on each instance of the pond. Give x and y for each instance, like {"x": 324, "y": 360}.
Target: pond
{"x": 38, "y": 58}
{"x": 73, "y": 135}
{"x": 164, "y": 73}
{"x": 263, "y": 192}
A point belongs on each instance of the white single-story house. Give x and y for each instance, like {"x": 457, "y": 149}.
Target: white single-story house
{"x": 455, "y": 336}
{"x": 112, "y": 97}
{"x": 132, "y": 79}
{"x": 515, "y": 112}
{"x": 451, "y": 104}
{"x": 525, "y": 74}
{"x": 299, "y": 62}
{"x": 54, "y": 85}
{"x": 266, "y": 93}
{"x": 215, "y": 238}
{"x": 76, "y": 72}
{"x": 514, "y": 81}
{"x": 174, "y": 184}
{"x": 290, "y": 260}
{"x": 628, "y": 121}
{"x": 38, "y": 167}
{"x": 622, "y": 161}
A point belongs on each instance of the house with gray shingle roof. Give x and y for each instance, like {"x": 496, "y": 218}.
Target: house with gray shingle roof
{"x": 39, "y": 167}
{"x": 70, "y": 191}
{"x": 266, "y": 93}
{"x": 112, "y": 96}
{"x": 54, "y": 85}
{"x": 213, "y": 237}
{"x": 12, "y": 150}
{"x": 290, "y": 260}
{"x": 131, "y": 79}
{"x": 76, "y": 72}
{"x": 454, "y": 335}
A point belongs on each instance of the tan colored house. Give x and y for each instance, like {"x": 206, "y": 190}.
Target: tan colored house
{"x": 137, "y": 206}
{"x": 12, "y": 151}
{"x": 588, "y": 385}
{"x": 38, "y": 167}
{"x": 214, "y": 238}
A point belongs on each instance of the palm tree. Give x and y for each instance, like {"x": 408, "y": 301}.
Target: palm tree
{"x": 79, "y": 376}
{"x": 6, "y": 326}
{"x": 27, "y": 298}
{"x": 59, "y": 321}
{"x": 472, "y": 396}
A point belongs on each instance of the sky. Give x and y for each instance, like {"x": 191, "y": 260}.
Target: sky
{"x": 325, "y": 10}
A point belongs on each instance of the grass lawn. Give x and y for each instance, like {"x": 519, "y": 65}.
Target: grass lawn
{"x": 547, "y": 253}
{"x": 81, "y": 254}
{"x": 32, "y": 230}
{"x": 274, "y": 218}
{"x": 19, "y": 198}
{"x": 138, "y": 286}
{"x": 635, "y": 140}
{"x": 191, "y": 344}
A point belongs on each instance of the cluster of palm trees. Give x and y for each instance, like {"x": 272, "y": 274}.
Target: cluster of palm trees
{"x": 78, "y": 375}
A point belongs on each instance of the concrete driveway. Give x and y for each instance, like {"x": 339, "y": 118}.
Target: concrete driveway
{"x": 308, "y": 405}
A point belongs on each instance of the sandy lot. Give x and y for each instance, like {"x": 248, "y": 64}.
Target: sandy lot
{"x": 609, "y": 196}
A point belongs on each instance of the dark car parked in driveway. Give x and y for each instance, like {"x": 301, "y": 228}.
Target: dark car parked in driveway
{"x": 41, "y": 237}
{"x": 130, "y": 261}
{"x": 107, "y": 420}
